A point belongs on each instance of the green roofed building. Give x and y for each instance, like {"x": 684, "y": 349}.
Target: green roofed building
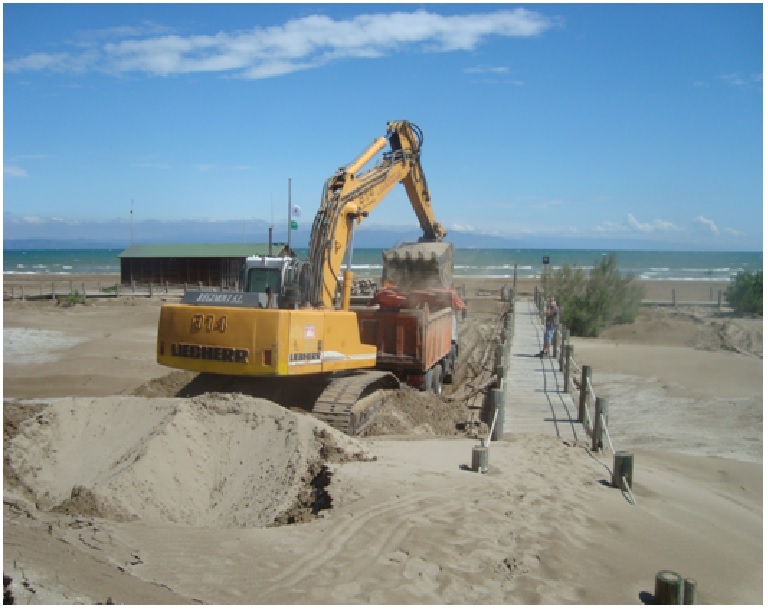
{"x": 209, "y": 264}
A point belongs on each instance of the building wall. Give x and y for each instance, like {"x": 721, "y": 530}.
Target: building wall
{"x": 215, "y": 272}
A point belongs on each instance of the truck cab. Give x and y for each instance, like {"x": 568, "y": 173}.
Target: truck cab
{"x": 276, "y": 281}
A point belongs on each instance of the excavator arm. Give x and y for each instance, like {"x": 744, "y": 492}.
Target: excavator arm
{"x": 350, "y": 195}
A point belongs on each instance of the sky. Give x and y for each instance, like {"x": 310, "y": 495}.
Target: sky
{"x": 544, "y": 124}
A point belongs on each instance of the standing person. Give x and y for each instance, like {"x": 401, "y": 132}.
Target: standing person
{"x": 552, "y": 321}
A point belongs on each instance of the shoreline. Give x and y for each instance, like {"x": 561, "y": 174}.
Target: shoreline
{"x": 655, "y": 290}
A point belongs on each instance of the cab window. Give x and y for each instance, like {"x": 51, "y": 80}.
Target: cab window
{"x": 259, "y": 279}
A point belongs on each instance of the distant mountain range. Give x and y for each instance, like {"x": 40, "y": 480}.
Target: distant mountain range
{"x": 19, "y": 233}
{"x": 106, "y": 235}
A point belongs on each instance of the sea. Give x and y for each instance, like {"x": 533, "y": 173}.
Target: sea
{"x": 497, "y": 263}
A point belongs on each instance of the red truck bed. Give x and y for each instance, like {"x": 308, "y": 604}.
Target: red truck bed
{"x": 406, "y": 340}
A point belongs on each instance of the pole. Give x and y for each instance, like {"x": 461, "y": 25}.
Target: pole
{"x": 131, "y": 221}
{"x": 289, "y": 215}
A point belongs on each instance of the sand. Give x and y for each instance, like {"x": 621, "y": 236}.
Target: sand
{"x": 115, "y": 489}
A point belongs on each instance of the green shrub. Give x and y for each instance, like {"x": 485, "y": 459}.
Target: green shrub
{"x": 73, "y": 298}
{"x": 745, "y": 293}
{"x": 589, "y": 304}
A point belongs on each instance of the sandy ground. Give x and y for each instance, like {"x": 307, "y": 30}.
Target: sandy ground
{"x": 123, "y": 482}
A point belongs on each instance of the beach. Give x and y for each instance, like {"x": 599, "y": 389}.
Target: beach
{"x": 122, "y": 483}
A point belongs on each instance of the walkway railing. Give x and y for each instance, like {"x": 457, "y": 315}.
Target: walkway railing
{"x": 597, "y": 427}
{"x": 93, "y": 288}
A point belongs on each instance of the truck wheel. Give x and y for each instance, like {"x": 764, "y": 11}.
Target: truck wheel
{"x": 437, "y": 379}
{"x": 450, "y": 366}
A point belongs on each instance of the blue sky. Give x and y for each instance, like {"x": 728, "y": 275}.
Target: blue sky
{"x": 544, "y": 124}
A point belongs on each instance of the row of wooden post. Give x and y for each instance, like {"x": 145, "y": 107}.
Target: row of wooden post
{"x": 670, "y": 587}
{"x": 563, "y": 350}
{"x": 24, "y": 293}
{"x": 495, "y": 398}
{"x": 539, "y": 298}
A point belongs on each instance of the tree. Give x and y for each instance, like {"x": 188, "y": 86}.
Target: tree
{"x": 589, "y": 304}
{"x": 745, "y": 293}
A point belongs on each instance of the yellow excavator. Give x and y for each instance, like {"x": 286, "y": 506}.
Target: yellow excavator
{"x": 291, "y": 319}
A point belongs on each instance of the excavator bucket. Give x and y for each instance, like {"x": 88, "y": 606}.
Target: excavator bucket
{"x": 412, "y": 266}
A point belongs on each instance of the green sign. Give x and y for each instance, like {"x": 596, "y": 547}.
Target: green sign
{"x": 294, "y": 225}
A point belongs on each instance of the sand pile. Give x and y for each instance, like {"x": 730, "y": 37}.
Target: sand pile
{"x": 216, "y": 460}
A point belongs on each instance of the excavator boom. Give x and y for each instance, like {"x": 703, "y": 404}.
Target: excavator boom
{"x": 351, "y": 194}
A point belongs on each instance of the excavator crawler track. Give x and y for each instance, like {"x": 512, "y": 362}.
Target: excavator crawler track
{"x": 346, "y": 405}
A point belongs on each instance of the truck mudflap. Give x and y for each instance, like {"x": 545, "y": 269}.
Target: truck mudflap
{"x": 348, "y": 402}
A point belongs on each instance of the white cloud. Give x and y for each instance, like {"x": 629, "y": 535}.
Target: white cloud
{"x": 708, "y": 223}
{"x": 297, "y": 44}
{"x": 462, "y": 227}
{"x": 14, "y": 171}
{"x": 609, "y": 227}
{"x": 495, "y": 70}
{"x": 733, "y": 79}
{"x": 733, "y": 233}
{"x": 656, "y": 224}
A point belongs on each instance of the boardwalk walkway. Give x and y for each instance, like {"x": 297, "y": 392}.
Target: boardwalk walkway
{"x": 534, "y": 398}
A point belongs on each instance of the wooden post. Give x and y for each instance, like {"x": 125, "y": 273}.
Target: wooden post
{"x": 480, "y": 459}
{"x": 498, "y": 426}
{"x": 689, "y": 591}
{"x": 150, "y": 289}
{"x": 23, "y": 298}
{"x": 623, "y": 463}
{"x": 567, "y": 368}
{"x": 601, "y": 407}
{"x": 83, "y": 290}
{"x": 586, "y": 378}
{"x": 555, "y": 342}
{"x": 53, "y": 290}
{"x": 499, "y": 365}
{"x": 674, "y": 298}
{"x": 566, "y": 341}
{"x": 669, "y": 588}
{"x": 719, "y": 300}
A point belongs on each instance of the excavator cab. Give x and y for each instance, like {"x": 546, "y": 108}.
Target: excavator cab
{"x": 276, "y": 281}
